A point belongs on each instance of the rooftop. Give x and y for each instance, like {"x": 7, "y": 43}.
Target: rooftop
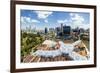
{"x": 64, "y": 56}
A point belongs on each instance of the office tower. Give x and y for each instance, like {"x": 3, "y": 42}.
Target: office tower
{"x": 46, "y": 30}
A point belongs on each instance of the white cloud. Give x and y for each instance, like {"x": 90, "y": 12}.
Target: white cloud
{"x": 62, "y": 21}
{"x": 27, "y": 21}
{"x": 85, "y": 26}
{"x": 78, "y": 21}
{"x": 74, "y": 21}
{"x": 77, "y": 17}
{"x": 46, "y": 21}
{"x": 71, "y": 14}
{"x": 34, "y": 21}
{"x": 43, "y": 14}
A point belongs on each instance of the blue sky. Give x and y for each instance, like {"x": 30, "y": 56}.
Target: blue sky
{"x": 52, "y": 19}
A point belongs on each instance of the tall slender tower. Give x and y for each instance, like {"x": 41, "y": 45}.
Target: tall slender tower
{"x": 62, "y": 28}
{"x": 46, "y": 30}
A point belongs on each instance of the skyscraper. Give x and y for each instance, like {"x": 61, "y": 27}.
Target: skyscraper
{"x": 61, "y": 28}
{"x": 46, "y": 30}
{"x": 66, "y": 30}
{"x": 58, "y": 30}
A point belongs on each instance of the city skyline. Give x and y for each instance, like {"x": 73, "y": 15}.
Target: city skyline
{"x": 53, "y": 19}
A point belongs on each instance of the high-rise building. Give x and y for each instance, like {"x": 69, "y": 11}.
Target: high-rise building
{"x": 51, "y": 29}
{"x": 61, "y": 28}
{"x": 46, "y": 30}
{"x": 66, "y": 30}
{"x": 58, "y": 30}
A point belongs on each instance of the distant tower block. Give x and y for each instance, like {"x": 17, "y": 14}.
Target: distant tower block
{"x": 62, "y": 28}
{"x": 46, "y": 30}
